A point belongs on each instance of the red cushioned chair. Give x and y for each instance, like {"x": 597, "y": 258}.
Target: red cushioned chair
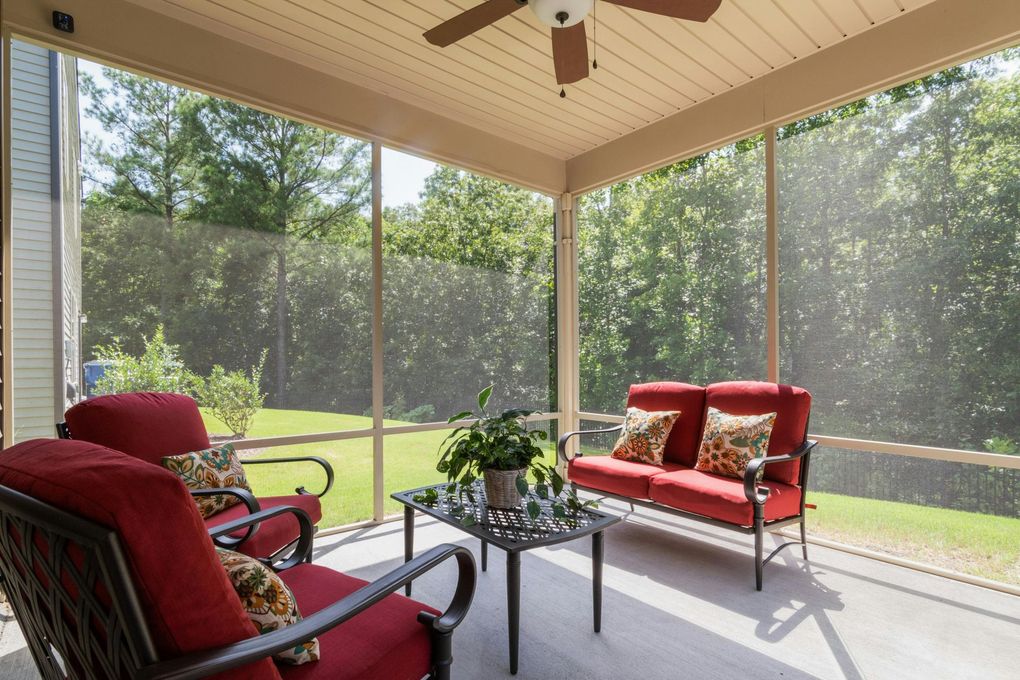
{"x": 771, "y": 494}
{"x": 98, "y": 594}
{"x": 151, "y": 425}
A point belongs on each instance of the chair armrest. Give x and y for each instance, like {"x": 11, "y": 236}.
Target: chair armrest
{"x": 299, "y": 459}
{"x": 246, "y": 497}
{"x": 757, "y": 495}
{"x": 208, "y": 662}
{"x": 304, "y": 545}
{"x": 561, "y": 445}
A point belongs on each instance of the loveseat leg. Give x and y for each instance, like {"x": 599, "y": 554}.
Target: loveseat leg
{"x": 759, "y": 543}
{"x": 803, "y": 537}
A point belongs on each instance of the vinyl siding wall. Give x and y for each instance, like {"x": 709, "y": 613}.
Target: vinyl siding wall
{"x": 46, "y": 242}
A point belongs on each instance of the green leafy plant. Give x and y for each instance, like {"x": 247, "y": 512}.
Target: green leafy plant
{"x": 501, "y": 442}
{"x": 234, "y": 397}
{"x": 1003, "y": 445}
{"x": 158, "y": 369}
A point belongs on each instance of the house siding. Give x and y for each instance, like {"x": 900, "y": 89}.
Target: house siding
{"x": 45, "y": 238}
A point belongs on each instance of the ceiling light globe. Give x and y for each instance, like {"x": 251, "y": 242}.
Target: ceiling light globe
{"x": 549, "y": 11}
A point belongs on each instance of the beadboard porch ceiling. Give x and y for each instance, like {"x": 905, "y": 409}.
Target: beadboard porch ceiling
{"x": 501, "y": 79}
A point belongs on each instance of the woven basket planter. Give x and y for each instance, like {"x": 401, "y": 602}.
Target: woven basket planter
{"x": 501, "y": 488}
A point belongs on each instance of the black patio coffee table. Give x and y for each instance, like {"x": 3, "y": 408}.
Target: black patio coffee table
{"x": 514, "y": 532}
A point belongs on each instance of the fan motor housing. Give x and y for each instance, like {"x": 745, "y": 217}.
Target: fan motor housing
{"x": 561, "y": 13}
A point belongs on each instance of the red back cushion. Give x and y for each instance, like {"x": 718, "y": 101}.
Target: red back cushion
{"x": 685, "y": 437}
{"x": 146, "y": 425}
{"x": 792, "y": 406}
{"x": 184, "y": 592}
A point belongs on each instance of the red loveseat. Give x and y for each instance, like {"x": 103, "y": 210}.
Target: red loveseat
{"x": 746, "y": 505}
{"x": 150, "y": 425}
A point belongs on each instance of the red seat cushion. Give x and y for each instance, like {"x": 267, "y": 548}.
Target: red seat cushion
{"x": 620, "y": 477}
{"x": 146, "y": 425}
{"x": 275, "y": 533}
{"x": 685, "y": 437}
{"x": 184, "y": 593}
{"x": 721, "y": 498}
{"x": 792, "y": 406}
{"x": 384, "y": 642}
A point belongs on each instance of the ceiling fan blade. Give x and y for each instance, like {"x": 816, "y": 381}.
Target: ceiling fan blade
{"x": 692, "y": 10}
{"x": 469, "y": 21}
{"x": 570, "y": 53}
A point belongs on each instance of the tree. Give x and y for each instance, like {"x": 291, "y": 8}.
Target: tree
{"x": 152, "y": 166}
{"x": 287, "y": 182}
{"x": 468, "y": 295}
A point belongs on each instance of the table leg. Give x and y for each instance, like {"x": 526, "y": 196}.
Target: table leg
{"x": 485, "y": 555}
{"x": 408, "y": 540}
{"x": 597, "y": 556}
{"x": 513, "y": 604}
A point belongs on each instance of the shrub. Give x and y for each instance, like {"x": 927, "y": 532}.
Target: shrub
{"x": 426, "y": 413}
{"x": 234, "y": 397}
{"x": 158, "y": 369}
{"x": 1003, "y": 445}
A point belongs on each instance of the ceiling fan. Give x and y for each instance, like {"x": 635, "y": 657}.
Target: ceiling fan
{"x": 566, "y": 18}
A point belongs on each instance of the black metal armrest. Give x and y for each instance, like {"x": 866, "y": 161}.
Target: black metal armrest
{"x": 759, "y": 495}
{"x": 202, "y": 664}
{"x": 299, "y": 459}
{"x": 304, "y": 544}
{"x": 246, "y": 497}
{"x": 561, "y": 445}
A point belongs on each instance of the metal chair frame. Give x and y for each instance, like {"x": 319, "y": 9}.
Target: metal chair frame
{"x": 71, "y": 590}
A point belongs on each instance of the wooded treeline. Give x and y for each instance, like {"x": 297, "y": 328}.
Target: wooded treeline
{"x": 899, "y": 263}
{"x": 899, "y": 219}
{"x": 238, "y": 231}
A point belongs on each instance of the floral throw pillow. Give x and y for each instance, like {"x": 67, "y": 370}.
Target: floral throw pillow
{"x": 731, "y": 442}
{"x": 215, "y": 468}
{"x": 644, "y": 435}
{"x": 267, "y": 601}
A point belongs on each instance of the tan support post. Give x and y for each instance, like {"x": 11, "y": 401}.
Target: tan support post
{"x": 771, "y": 255}
{"x": 566, "y": 314}
{"x": 5, "y": 249}
{"x": 378, "y": 469}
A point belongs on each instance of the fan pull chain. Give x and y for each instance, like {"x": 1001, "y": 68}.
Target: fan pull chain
{"x": 595, "y": 35}
{"x": 563, "y": 93}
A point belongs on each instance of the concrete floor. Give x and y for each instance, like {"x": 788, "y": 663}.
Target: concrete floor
{"x": 680, "y": 603}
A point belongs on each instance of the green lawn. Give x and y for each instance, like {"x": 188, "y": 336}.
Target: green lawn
{"x": 973, "y": 543}
{"x": 409, "y": 461}
{"x": 969, "y": 542}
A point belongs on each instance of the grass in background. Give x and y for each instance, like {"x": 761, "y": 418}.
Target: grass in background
{"x": 973, "y": 543}
{"x": 409, "y": 461}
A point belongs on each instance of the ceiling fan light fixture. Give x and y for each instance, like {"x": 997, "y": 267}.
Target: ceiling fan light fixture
{"x": 552, "y": 12}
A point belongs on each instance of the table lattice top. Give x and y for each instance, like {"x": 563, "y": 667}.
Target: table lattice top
{"x": 509, "y": 529}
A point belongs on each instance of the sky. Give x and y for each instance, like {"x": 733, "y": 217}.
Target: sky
{"x": 403, "y": 175}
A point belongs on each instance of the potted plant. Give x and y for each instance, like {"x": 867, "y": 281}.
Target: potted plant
{"x": 501, "y": 450}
